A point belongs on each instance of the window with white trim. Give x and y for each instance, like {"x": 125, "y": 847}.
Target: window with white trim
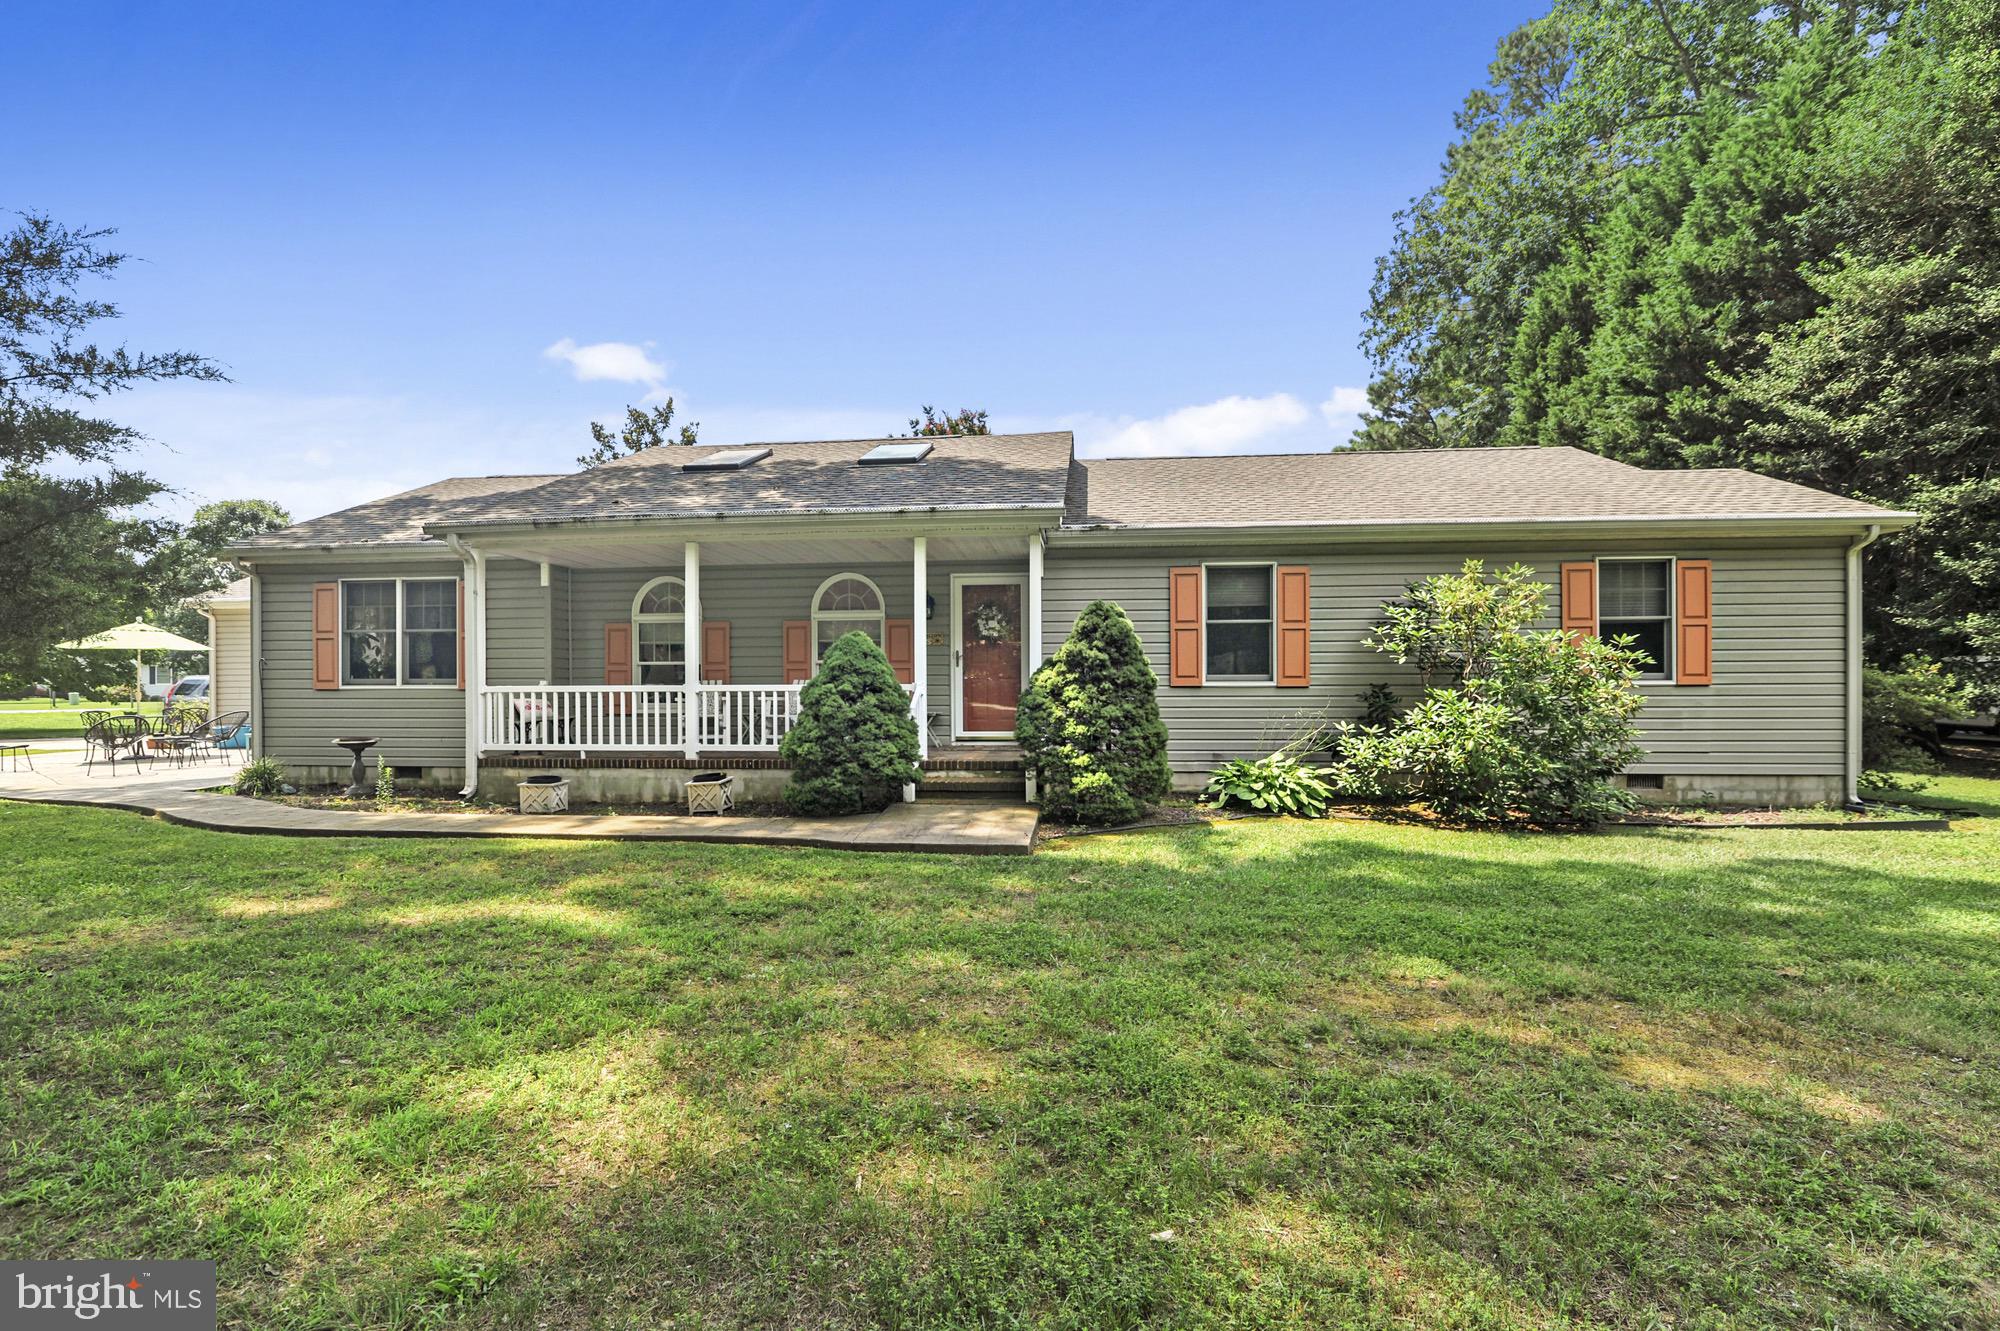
{"x": 659, "y": 633}
{"x": 399, "y": 631}
{"x": 1238, "y": 622}
{"x": 1635, "y": 598}
{"x": 845, "y": 603}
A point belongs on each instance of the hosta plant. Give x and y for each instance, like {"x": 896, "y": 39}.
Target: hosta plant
{"x": 1278, "y": 783}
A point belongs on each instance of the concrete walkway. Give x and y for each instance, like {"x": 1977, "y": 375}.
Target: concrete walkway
{"x": 187, "y": 796}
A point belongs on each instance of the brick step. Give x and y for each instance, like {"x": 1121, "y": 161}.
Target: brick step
{"x": 945, "y": 784}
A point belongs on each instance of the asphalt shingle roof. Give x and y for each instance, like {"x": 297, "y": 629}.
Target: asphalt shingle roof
{"x": 398, "y": 519}
{"x": 1037, "y": 471}
{"x": 999, "y": 471}
{"x": 1418, "y": 486}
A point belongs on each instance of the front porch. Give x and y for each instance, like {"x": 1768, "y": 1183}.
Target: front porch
{"x": 625, "y": 651}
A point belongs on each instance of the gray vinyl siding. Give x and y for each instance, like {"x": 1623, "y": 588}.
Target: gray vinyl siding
{"x": 1777, "y": 705}
{"x": 519, "y": 644}
{"x": 418, "y": 726}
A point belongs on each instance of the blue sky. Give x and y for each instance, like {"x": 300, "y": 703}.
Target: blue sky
{"x": 434, "y": 240}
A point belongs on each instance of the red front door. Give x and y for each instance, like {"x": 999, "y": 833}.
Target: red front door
{"x": 989, "y": 631}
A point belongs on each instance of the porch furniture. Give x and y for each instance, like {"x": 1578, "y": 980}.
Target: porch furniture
{"x": 14, "y": 753}
{"x": 204, "y": 738}
{"x": 358, "y": 778}
{"x": 536, "y": 723}
{"x": 230, "y": 732}
{"x": 711, "y": 792}
{"x": 547, "y": 793}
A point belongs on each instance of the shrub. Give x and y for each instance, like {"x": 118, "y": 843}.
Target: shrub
{"x": 1899, "y": 711}
{"x": 260, "y": 778}
{"x": 854, "y": 745}
{"x": 1089, "y": 724}
{"x": 1278, "y": 783}
{"x": 1515, "y": 723}
{"x": 385, "y": 780}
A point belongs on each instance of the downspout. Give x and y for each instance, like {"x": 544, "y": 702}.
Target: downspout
{"x": 1854, "y": 663}
{"x": 474, "y": 629}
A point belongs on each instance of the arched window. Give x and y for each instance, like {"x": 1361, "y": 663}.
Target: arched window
{"x": 845, "y": 602}
{"x": 659, "y": 644}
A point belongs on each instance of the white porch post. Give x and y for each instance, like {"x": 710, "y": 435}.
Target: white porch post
{"x": 474, "y": 629}
{"x": 1033, "y": 609}
{"x": 691, "y": 644}
{"x": 919, "y": 641}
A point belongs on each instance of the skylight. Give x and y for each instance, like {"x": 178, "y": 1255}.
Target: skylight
{"x": 882, "y": 454}
{"x": 734, "y": 459}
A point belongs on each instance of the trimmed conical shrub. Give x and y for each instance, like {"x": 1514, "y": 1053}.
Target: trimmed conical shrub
{"x": 854, "y": 745}
{"x": 1089, "y": 725}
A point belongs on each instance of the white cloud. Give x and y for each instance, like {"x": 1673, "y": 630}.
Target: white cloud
{"x": 1342, "y": 410}
{"x": 1229, "y": 425}
{"x": 619, "y": 362}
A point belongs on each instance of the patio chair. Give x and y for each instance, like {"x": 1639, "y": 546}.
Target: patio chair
{"x": 113, "y": 738}
{"x": 535, "y": 723}
{"x": 224, "y": 732}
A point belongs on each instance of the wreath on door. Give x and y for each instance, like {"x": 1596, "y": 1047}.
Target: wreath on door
{"x": 993, "y": 621}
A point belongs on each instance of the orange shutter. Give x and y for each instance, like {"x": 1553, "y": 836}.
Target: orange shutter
{"x": 461, "y": 633}
{"x": 1184, "y": 627}
{"x": 899, "y": 644}
{"x": 326, "y": 635}
{"x": 1579, "y": 599}
{"x": 618, "y": 652}
{"x": 1695, "y": 644}
{"x": 1294, "y": 626}
{"x": 715, "y": 651}
{"x": 798, "y": 651}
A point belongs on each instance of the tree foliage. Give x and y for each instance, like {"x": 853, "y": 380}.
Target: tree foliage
{"x": 1720, "y": 233}
{"x": 1089, "y": 723}
{"x": 964, "y": 421}
{"x": 854, "y": 745}
{"x": 642, "y": 430}
{"x": 75, "y": 548}
{"x": 1516, "y": 723}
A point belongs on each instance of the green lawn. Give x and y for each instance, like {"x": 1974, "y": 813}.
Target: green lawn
{"x": 1242, "y": 1075}
{"x": 37, "y": 718}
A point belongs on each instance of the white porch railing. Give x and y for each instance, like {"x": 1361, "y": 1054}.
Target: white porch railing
{"x": 611, "y": 718}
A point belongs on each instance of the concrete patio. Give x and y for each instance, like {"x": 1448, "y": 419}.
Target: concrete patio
{"x": 189, "y": 796}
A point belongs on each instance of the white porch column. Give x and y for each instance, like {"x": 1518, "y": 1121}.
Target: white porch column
{"x": 1033, "y": 609}
{"x": 474, "y": 629}
{"x": 691, "y": 644}
{"x": 919, "y": 642}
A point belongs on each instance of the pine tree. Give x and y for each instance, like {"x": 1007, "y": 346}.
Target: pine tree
{"x": 1089, "y": 724}
{"x": 854, "y": 745}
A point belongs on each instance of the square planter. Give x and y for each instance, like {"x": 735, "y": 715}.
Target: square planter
{"x": 710, "y": 792}
{"x": 544, "y": 794}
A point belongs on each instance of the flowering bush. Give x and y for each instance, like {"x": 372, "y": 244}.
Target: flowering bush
{"x": 1515, "y": 723}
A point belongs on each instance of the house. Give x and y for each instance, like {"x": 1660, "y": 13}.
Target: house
{"x": 228, "y": 615}
{"x": 658, "y": 614}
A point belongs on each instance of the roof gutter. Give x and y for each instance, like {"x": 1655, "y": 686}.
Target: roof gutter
{"x": 1854, "y": 756}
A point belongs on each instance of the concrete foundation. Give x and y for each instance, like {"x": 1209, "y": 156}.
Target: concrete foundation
{"x": 631, "y": 785}
{"x": 1780, "y": 792}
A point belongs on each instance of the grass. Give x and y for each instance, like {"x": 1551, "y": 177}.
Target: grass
{"x": 39, "y": 718}
{"x": 1246, "y": 1074}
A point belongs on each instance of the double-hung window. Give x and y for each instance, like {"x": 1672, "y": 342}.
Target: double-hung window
{"x": 1635, "y": 597}
{"x": 1238, "y": 623}
{"x": 399, "y": 631}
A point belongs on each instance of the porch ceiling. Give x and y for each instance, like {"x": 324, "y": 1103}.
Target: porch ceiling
{"x": 653, "y": 552}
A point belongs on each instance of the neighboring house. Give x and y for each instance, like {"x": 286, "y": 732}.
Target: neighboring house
{"x": 228, "y": 615}
{"x": 658, "y": 614}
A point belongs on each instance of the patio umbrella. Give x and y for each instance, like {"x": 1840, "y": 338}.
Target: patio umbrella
{"x": 136, "y": 637}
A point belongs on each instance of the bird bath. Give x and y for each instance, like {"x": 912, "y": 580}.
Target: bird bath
{"x": 357, "y": 747}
